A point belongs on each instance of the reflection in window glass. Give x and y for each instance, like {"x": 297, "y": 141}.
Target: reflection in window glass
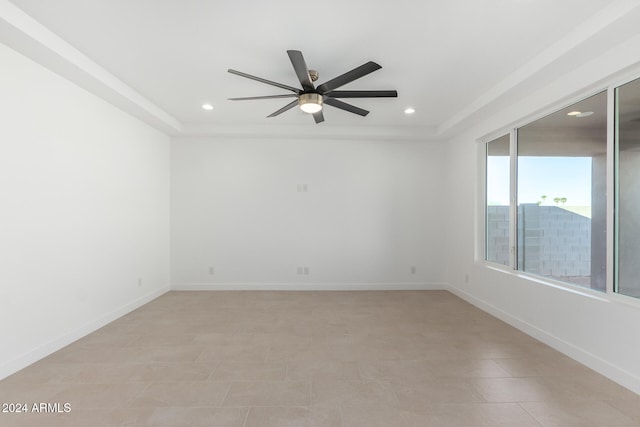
{"x": 628, "y": 188}
{"x": 561, "y": 193}
{"x": 497, "y": 199}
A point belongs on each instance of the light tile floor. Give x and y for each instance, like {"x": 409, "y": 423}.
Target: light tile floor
{"x": 314, "y": 359}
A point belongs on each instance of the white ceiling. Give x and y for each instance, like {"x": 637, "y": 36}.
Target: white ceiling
{"x": 441, "y": 56}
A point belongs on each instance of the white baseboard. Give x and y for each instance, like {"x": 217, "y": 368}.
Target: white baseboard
{"x": 406, "y": 286}
{"x": 63, "y": 340}
{"x": 614, "y": 373}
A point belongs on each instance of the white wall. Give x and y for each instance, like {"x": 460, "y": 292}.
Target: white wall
{"x": 599, "y": 330}
{"x": 84, "y": 212}
{"x": 371, "y": 211}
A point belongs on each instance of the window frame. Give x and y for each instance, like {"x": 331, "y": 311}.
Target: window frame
{"x": 486, "y": 202}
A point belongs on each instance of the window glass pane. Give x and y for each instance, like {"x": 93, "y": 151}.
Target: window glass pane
{"x": 497, "y": 198}
{"x": 628, "y": 188}
{"x": 562, "y": 194}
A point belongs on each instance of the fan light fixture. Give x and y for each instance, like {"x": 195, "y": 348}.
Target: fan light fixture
{"x": 310, "y": 102}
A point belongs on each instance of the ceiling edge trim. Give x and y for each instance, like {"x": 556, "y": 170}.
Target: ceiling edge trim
{"x": 27, "y": 36}
{"x": 602, "y": 20}
{"x": 386, "y": 133}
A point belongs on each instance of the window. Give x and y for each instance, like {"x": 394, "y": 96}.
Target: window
{"x": 627, "y": 132}
{"x": 562, "y": 194}
{"x": 497, "y": 201}
{"x": 560, "y": 213}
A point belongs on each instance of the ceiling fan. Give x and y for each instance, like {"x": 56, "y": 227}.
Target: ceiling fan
{"x": 311, "y": 99}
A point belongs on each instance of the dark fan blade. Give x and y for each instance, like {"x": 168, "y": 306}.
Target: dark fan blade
{"x": 362, "y": 94}
{"x": 346, "y": 107}
{"x": 285, "y": 108}
{"x": 302, "y": 71}
{"x": 348, "y": 77}
{"x": 318, "y": 117}
{"x": 259, "y": 79}
{"x": 289, "y": 95}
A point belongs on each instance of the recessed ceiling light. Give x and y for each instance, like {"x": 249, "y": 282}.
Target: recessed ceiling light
{"x": 409, "y": 110}
{"x": 207, "y": 106}
{"x": 585, "y": 114}
{"x": 574, "y": 113}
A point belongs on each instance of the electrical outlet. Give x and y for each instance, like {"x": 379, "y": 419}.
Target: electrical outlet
{"x": 212, "y": 270}
{"x": 303, "y": 271}
{"x": 413, "y": 269}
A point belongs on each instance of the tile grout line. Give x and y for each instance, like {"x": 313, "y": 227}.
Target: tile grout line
{"x": 209, "y": 379}
{"x": 138, "y": 395}
{"x": 531, "y": 415}
{"x": 226, "y": 394}
{"x": 246, "y": 417}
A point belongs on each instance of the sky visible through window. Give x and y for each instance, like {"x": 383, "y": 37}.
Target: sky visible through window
{"x": 554, "y": 177}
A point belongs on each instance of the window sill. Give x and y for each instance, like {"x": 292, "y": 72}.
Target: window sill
{"x": 608, "y": 297}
